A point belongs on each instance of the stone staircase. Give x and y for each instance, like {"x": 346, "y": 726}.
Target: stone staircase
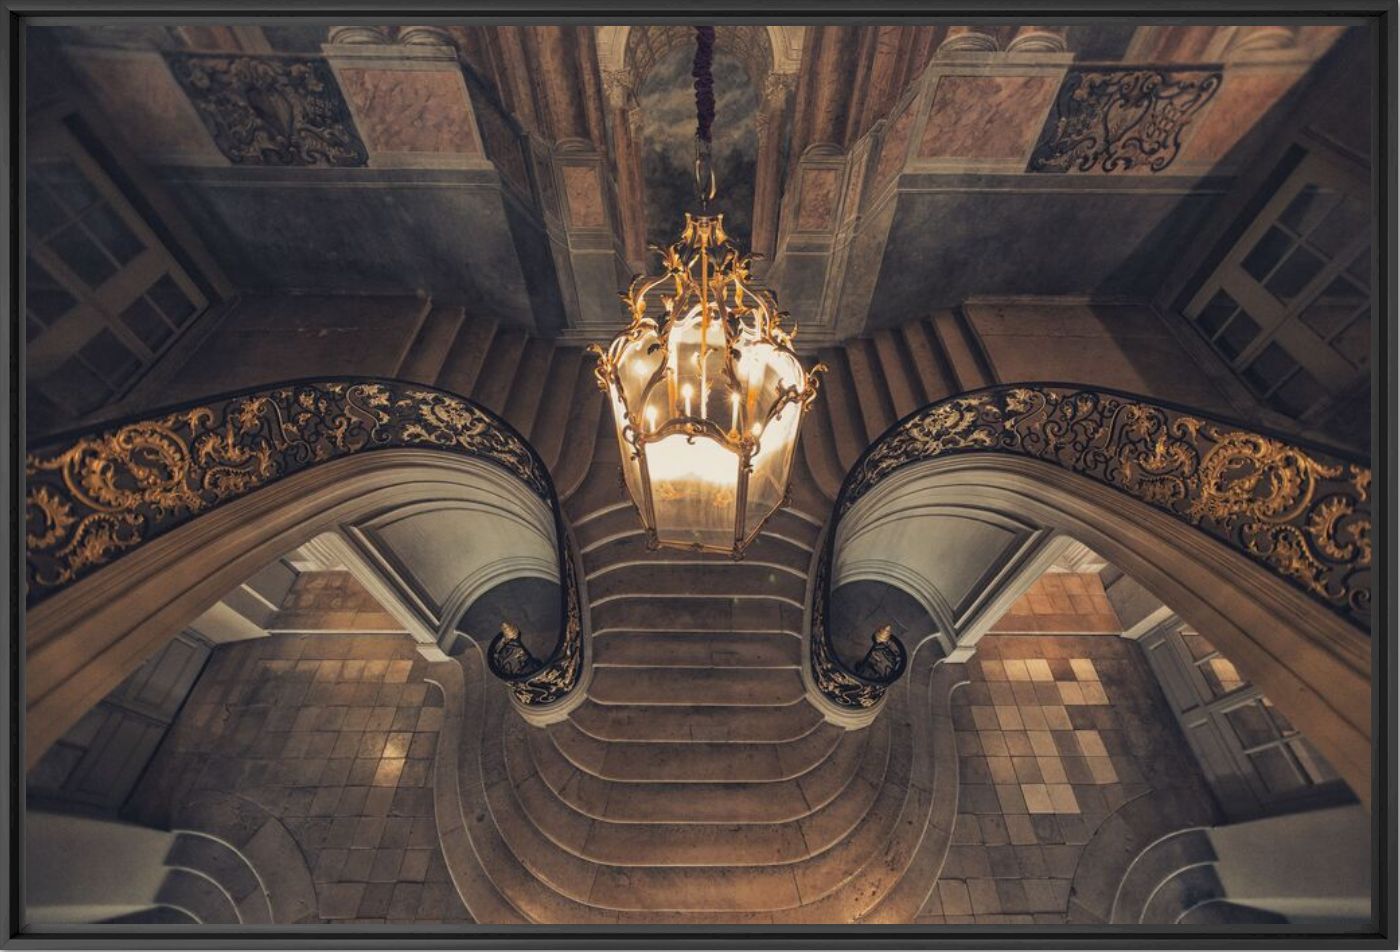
{"x": 230, "y": 863}
{"x": 695, "y": 782}
{"x": 547, "y": 392}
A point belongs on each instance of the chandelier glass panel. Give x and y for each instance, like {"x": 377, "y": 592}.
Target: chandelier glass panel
{"x": 706, "y": 391}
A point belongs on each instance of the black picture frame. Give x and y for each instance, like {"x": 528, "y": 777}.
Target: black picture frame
{"x": 1379, "y": 17}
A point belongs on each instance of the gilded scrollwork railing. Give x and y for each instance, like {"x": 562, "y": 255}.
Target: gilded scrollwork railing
{"x": 1301, "y": 512}
{"x": 97, "y": 496}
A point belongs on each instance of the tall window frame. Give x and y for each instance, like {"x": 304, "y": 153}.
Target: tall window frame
{"x": 1290, "y": 306}
{"x": 104, "y": 297}
{"x": 1255, "y": 760}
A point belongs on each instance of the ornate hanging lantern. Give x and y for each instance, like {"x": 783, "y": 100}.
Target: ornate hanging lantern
{"x": 706, "y": 390}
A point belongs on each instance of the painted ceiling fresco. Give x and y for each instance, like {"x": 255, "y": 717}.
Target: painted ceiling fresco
{"x": 667, "y": 100}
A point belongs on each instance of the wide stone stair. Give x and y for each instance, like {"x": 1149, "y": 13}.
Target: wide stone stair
{"x": 695, "y": 781}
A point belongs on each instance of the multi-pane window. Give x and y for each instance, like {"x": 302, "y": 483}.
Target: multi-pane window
{"x": 1254, "y": 758}
{"x": 103, "y": 297}
{"x": 1290, "y": 306}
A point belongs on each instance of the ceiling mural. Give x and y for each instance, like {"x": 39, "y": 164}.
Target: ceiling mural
{"x": 667, "y": 101}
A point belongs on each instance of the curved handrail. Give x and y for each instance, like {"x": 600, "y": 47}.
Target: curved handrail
{"x": 96, "y": 495}
{"x": 1301, "y": 511}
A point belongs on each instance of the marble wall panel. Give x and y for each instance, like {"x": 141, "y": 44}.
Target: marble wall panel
{"x": 584, "y": 196}
{"x": 986, "y": 117}
{"x": 1246, "y": 96}
{"x": 411, "y": 110}
{"x": 820, "y": 189}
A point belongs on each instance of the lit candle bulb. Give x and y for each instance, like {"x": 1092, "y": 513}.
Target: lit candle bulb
{"x": 734, "y": 404}
{"x": 757, "y": 429}
{"x": 686, "y": 392}
{"x": 651, "y": 419}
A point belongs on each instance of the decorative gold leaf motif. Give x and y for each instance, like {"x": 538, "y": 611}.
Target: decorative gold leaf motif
{"x": 99, "y": 496}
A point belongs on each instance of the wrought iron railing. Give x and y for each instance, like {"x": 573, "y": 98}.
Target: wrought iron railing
{"x": 1301, "y": 512}
{"x": 95, "y": 496}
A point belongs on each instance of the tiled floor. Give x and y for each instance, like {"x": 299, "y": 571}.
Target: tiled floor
{"x": 335, "y": 735}
{"x": 1062, "y": 603}
{"x": 1054, "y": 733}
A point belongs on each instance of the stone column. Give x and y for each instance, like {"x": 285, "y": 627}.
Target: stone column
{"x": 366, "y": 35}
{"x": 553, "y": 62}
{"x": 627, "y": 159}
{"x": 771, "y": 121}
{"x": 1038, "y": 39}
{"x": 968, "y": 39}
{"x": 1268, "y": 36}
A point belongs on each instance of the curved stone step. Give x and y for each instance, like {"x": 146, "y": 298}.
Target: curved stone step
{"x": 660, "y": 576}
{"x": 197, "y": 894}
{"x": 890, "y": 882}
{"x": 698, "y": 687}
{"x": 492, "y": 879}
{"x": 1181, "y": 892}
{"x": 155, "y": 915}
{"x": 608, "y": 888}
{"x": 701, "y": 802}
{"x": 652, "y": 762}
{"x": 228, "y": 868}
{"x": 701, "y": 724}
{"x": 1155, "y": 865}
{"x": 672, "y": 887}
{"x": 755, "y": 613}
{"x": 703, "y": 649}
{"x": 671, "y": 844}
{"x": 264, "y": 843}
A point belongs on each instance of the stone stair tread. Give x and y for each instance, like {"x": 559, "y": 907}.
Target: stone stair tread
{"x": 551, "y": 424}
{"x": 498, "y": 373}
{"x": 601, "y": 487}
{"x": 696, "y": 613}
{"x": 678, "y": 724}
{"x": 701, "y": 687}
{"x": 899, "y": 378}
{"x": 842, "y": 409}
{"x": 588, "y": 428}
{"x": 697, "y": 649}
{"x": 661, "y": 577}
{"x": 462, "y": 365}
{"x": 627, "y": 544}
{"x": 876, "y": 410}
{"x": 533, "y": 378}
{"x": 690, "y": 762}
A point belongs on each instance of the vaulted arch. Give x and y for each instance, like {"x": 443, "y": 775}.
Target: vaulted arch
{"x": 1262, "y": 542}
{"x": 136, "y": 528}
